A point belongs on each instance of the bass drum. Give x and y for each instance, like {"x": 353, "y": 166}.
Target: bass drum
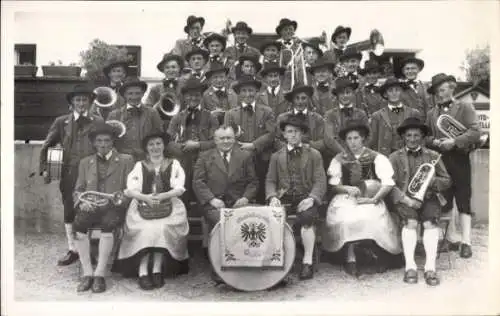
{"x": 251, "y": 279}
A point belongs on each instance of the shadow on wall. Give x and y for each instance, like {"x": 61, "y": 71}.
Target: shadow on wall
{"x": 38, "y": 207}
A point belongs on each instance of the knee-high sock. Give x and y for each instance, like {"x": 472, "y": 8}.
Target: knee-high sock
{"x": 143, "y": 267}
{"x": 82, "y": 243}
{"x": 105, "y": 248}
{"x": 308, "y": 238}
{"x": 466, "y": 223}
{"x": 351, "y": 257}
{"x": 158, "y": 260}
{"x": 431, "y": 238}
{"x": 69, "y": 236}
{"x": 453, "y": 235}
{"x": 409, "y": 240}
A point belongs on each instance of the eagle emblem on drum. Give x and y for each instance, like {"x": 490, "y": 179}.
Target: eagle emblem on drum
{"x": 253, "y": 233}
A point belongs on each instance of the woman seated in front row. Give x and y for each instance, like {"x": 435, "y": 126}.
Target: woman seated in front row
{"x": 359, "y": 230}
{"x": 154, "y": 245}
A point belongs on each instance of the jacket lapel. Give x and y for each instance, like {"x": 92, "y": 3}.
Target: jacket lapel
{"x": 454, "y": 109}
{"x": 233, "y": 161}
{"x": 385, "y": 116}
{"x": 304, "y": 159}
{"x": 113, "y": 163}
{"x": 259, "y": 113}
{"x": 283, "y": 161}
{"x": 264, "y": 97}
{"x": 92, "y": 174}
{"x": 217, "y": 158}
{"x": 406, "y": 169}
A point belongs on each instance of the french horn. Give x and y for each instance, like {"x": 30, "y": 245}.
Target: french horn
{"x": 105, "y": 97}
{"x": 167, "y": 107}
{"x": 99, "y": 199}
{"x": 422, "y": 179}
{"x": 120, "y": 127}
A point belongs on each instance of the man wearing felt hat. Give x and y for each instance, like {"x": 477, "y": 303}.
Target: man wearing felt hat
{"x": 339, "y": 39}
{"x": 349, "y": 64}
{"x": 343, "y": 110}
{"x": 106, "y": 172}
{"x": 71, "y": 131}
{"x": 196, "y": 60}
{"x": 322, "y": 82}
{"x": 139, "y": 120}
{"x": 242, "y": 33}
{"x": 406, "y": 161}
{"x": 384, "y": 122}
{"x": 297, "y": 177}
{"x": 416, "y": 95}
{"x": 455, "y": 151}
{"x": 219, "y": 96}
{"x": 194, "y": 30}
{"x": 215, "y": 44}
{"x": 271, "y": 94}
{"x": 256, "y": 125}
{"x": 248, "y": 65}
{"x": 286, "y": 31}
{"x": 312, "y": 52}
{"x": 270, "y": 51}
{"x": 192, "y": 130}
{"x": 368, "y": 94}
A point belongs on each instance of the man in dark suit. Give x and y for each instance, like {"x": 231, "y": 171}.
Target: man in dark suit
{"x": 322, "y": 72}
{"x": 344, "y": 110}
{"x": 71, "y": 131}
{"x": 105, "y": 172}
{"x": 192, "y": 131}
{"x": 272, "y": 94}
{"x": 219, "y": 96}
{"x": 139, "y": 120}
{"x": 384, "y": 122}
{"x": 368, "y": 95}
{"x": 194, "y": 28}
{"x": 196, "y": 60}
{"x": 256, "y": 126}
{"x": 455, "y": 150}
{"x": 416, "y": 95}
{"x": 215, "y": 44}
{"x": 339, "y": 39}
{"x": 270, "y": 51}
{"x": 297, "y": 177}
{"x": 242, "y": 33}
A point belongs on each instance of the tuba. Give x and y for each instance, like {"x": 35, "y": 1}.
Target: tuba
{"x": 167, "y": 107}
{"x": 105, "y": 97}
{"x": 422, "y": 179}
{"x": 120, "y": 127}
{"x": 294, "y": 63}
{"x": 99, "y": 199}
{"x": 449, "y": 126}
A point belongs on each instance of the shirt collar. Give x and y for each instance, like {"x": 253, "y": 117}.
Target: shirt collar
{"x": 219, "y": 89}
{"x": 336, "y": 47}
{"x": 107, "y": 156}
{"x": 138, "y": 106}
{"x": 419, "y": 148}
{"x": 399, "y": 106}
{"x": 197, "y": 108}
{"x": 76, "y": 115}
{"x": 252, "y": 104}
{"x": 290, "y": 147}
{"x": 295, "y": 111}
{"x": 228, "y": 154}
{"x": 346, "y": 106}
{"x": 270, "y": 89}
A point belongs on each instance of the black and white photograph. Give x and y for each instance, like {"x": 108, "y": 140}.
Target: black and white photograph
{"x": 330, "y": 154}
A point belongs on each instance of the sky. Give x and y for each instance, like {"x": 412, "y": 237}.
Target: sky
{"x": 441, "y": 30}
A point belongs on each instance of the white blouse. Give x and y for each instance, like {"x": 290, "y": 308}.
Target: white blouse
{"x": 177, "y": 177}
{"x": 383, "y": 170}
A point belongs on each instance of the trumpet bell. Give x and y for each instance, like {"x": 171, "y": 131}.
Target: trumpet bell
{"x": 120, "y": 127}
{"x": 105, "y": 97}
{"x": 167, "y": 107}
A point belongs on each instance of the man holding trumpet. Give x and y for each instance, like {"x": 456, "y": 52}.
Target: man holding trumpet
{"x": 454, "y": 132}
{"x": 105, "y": 173}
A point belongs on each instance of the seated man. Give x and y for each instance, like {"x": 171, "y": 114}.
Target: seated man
{"x": 406, "y": 162}
{"x": 106, "y": 172}
{"x": 297, "y": 177}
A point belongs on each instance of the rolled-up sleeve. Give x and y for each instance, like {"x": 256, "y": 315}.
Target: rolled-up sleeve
{"x": 384, "y": 170}
{"x": 177, "y": 177}
{"x": 335, "y": 172}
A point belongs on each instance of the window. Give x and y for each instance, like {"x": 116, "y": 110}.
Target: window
{"x": 25, "y": 54}
{"x": 135, "y": 62}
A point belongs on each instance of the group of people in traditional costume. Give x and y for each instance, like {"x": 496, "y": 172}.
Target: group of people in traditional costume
{"x": 348, "y": 142}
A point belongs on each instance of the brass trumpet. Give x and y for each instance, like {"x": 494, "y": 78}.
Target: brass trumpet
{"x": 422, "y": 179}
{"x": 167, "y": 107}
{"x": 105, "y": 97}
{"x": 99, "y": 199}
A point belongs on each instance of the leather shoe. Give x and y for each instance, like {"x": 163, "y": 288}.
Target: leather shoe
{"x": 446, "y": 246}
{"x": 465, "y": 251}
{"x": 69, "y": 258}
{"x": 431, "y": 278}
{"x": 85, "y": 284}
{"x": 99, "y": 284}
{"x": 411, "y": 276}
{"x": 351, "y": 269}
{"x": 158, "y": 280}
{"x": 306, "y": 272}
{"x": 184, "y": 267}
{"x": 145, "y": 283}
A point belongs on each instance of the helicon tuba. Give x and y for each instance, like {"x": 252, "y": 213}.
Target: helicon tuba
{"x": 449, "y": 126}
{"x": 120, "y": 127}
{"x": 422, "y": 179}
{"x": 105, "y": 97}
{"x": 99, "y": 199}
{"x": 167, "y": 107}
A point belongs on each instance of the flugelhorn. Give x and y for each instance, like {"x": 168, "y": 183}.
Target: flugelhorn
{"x": 167, "y": 107}
{"x": 105, "y": 97}
{"x": 449, "y": 126}
{"x": 422, "y": 179}
{"x": 120, "y": 127}
{"x": 374, "y": 43}
{"x": 99, "y": 199}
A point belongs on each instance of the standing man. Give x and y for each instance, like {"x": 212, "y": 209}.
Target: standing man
{"x": 350, "y": 60}
{"x": 192, "y": 131}
{"x": 339, "y": 39}
{"x": 139, "y": 120}
{"x": 368, "y": 95}
{"x": 289, "y": 45}
{"x": 272, "y": 94}
{"x": 405, "y": 162}
{"x": 104, "y": 172}
{"x": 242, "y": 33}
{"x": 255, "y": 127}
{"x": 312, "y": 53}
{"x": 455, "y": 151}
{"x": 344, "y": 110}
{"x": 72, "y": 132}
{"x": 385, "y": 122}
{"x": 219, "y": 97}
{"x": 215, "y": 44}
{"x": 297, "y": 177}
{"x": 322, "y": 73}
{"x": 115, "y": 72}
{"x": 197, "y": 59}
{"x": 194, "y": 28}
{"x": 416, "y": 95}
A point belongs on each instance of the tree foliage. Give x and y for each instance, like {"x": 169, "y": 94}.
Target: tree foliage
{"x": 477, "y": 64}
{"x": 98, "y": 55}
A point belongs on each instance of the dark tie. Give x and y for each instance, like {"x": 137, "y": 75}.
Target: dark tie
{"x": 197, "y": 75}
{"x": 371, "y": 88}
{"x": 196, "y": 41}
{"x": 414, "y": 152}
{"x": 220, "y": 93}
{"x": 226, "y": 160}
{"x": 192, "y": 112}
{"x": 288, "y": 42}
{"x": 241, "y": 48}
{"x": 296, "y": 151}
{"x": 116, "y": 87}
{"x": 445, "y": 105}
{"x": 351, "y": 76}
{"x": 275, "y": 61}
{"x": 248, "y": 108}
{"x": 347, "y": 111}
{"x": 82, "y": 121}
{"x": 170, "y": 83}
{"x": 273, "y": 91}
{"x": 101, "y": 159}
{"x": 323, "y": 87}
{"x": 215, "y": 58}
{"x": 134, "y": 111}
{"x": 412, "y": 83}
{"x": 396, "y": 109}
{"x": 300, "y": 114}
